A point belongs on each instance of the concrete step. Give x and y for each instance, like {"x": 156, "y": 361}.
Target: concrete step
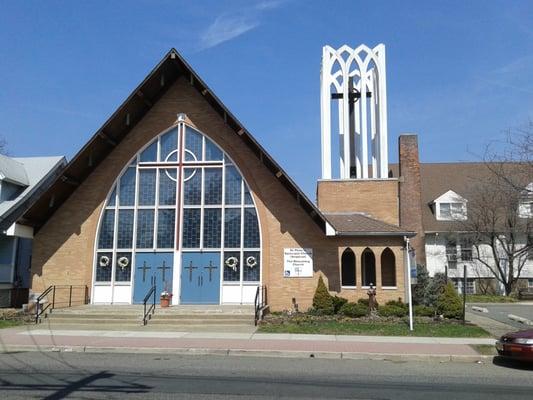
{"x": 157, "y": 315}
{"x": 155, "y": 321}
{"x": 149, "y": 328}
{"x": 173, "y": 310}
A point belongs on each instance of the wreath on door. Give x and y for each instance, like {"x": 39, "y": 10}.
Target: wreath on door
{"x": 232, "y": 262}
{"x": 123, "y": 262}
{"x": 251, "y": 261}
{"x": 104, "y": 261}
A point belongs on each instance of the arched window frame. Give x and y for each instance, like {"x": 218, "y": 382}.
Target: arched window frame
{"x": 364, "y": 283}
{"x": 347, "y": 251}
{"x": 247, "y": 202}
{"x": 382, "y": 265}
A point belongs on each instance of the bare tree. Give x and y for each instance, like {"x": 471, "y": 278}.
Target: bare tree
{"x": 517, "y": 147}
{"x": 3, "y": 146}
{"x": 500, "y": 231}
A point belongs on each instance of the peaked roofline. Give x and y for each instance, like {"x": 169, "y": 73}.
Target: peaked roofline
{"x": 125, "y": 118}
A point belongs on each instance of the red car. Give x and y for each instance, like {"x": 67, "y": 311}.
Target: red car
{"x": 518, "y": 345}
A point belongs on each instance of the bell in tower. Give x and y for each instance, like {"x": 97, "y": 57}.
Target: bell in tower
{"x": 356, "y": 80}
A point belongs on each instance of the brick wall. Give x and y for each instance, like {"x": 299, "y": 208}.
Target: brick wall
{"x": 410, "y": 193}
{"x": 376, "y": 197}
{"x": 64, "y": 247}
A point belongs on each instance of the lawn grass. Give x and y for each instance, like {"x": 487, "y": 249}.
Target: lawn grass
{"x": 487, "y": 298}
{"x": 437, "y": 329}
{"x": 9, "y": 323}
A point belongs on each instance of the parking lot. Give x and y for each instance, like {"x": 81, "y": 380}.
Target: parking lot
{"x": 501, "y": 312}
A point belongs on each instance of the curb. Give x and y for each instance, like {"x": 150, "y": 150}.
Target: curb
{"x": 517, "y": 318}
{"x": 441, "y": 358}
{"x": 480, "y": 309}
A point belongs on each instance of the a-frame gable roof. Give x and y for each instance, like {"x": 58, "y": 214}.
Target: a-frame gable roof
{"x": 450, "y": 197}
{"x": 122, "y": 121}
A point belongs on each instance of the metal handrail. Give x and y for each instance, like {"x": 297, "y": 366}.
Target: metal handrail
{"x": 52, "y": 305}
{"x": 259, "y": 302}
{"x": 38, "y": 310}
{"x": 147, "y": 314}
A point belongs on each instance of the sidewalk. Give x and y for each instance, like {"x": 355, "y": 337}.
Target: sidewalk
{"x": 251, "y": 344}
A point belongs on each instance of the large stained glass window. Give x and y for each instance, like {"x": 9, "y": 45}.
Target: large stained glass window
{"x": 180, "y": 193}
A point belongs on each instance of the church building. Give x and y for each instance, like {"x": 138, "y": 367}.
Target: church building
{"x": 174, "y": 190}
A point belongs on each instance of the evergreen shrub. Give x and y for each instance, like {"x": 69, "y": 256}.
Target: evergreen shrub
{"x": 393, "y": 310}
{"x": 354, "y": 310}
{"x": 449, "y": 303}
{"x": 423, "y": 311}
{"x": 338, "y": 302}
{"x": 322, "y": 300}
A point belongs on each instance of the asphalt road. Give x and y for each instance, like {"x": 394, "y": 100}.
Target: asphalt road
{"x": 499, "y": 312}
{"x": 137, "y": 376}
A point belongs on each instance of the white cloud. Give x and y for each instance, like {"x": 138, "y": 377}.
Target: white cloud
{"x": 227, "y": 27}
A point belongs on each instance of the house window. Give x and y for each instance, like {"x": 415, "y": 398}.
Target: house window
{"x": 525, "y": 209}
{"x": 466, "y": 249}
{"x": 452, "y": 211}
{"x": 470, "y": 285}
{"x": 451, "y": 250}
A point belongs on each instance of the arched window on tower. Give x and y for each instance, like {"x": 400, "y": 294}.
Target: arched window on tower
{"x": 348, "y": 268}
{"x": 388, "y": 268}
{"x": 368, "y": 267}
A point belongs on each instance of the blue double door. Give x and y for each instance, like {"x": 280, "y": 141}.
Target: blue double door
{"x": 152, "y": 268}
{"x": 200, "y": 278}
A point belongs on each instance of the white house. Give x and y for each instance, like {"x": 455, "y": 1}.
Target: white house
{"x": 22, "y": 180}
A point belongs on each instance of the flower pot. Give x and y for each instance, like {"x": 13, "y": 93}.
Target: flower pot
{"x": 165, "y": 302}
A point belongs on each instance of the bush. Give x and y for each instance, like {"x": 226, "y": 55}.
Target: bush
{"x": 435, "y": 288}
{"x": 338, "y": 302}
{"x": 322, "y": 300}
{"x": 354, "y": 310}
{"x": 449, "y": 303}
{"x": 392, "y": 310}
{"x": 365, "y": 302}
{"x": 422, "y": 283}
{"x": 397, "y": 303}
{"x": 423, "y": 311}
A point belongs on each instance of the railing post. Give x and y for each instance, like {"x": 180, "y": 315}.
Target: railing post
{"x": 70, "y": 296}
{"x": 54, "y": 297}
{"x": 153, "y": 308}
{"x": 86, "y": 295}
{"x": 37, "y": 312}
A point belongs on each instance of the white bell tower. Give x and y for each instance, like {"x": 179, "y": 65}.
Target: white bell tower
{"x": 356, "y": 79}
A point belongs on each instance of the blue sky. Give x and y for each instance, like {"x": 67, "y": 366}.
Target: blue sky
{"x": 458, "y": 73}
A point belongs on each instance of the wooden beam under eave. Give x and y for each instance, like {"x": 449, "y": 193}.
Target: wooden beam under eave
{"x": 70, "y": 180}
{"x": 145, "y": 99}
{"x": 107, "y": 138}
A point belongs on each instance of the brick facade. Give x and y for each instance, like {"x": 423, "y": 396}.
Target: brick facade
{"x": 64, "y": 247}
{"x": 410, "y": 193}
{"x": 375, "y": 197}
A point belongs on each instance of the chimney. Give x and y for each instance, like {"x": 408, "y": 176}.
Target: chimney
{"x": 411, "y": 193}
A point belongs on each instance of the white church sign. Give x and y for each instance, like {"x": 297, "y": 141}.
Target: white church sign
{"x": 298, "y": 263}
